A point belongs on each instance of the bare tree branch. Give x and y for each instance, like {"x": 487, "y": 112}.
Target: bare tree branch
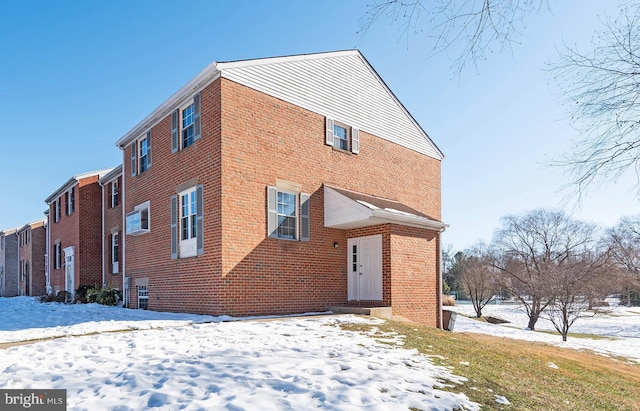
{"x": 470, "y": 30}
{"x": 601, "y": 88}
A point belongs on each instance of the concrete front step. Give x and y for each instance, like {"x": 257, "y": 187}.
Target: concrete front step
{"x": 378, "y": 312}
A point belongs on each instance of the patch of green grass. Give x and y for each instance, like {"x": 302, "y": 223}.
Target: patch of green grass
{"x": 521, "y": 370}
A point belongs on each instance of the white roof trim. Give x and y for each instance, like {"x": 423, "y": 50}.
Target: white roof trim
{"x": 201, "y": 80}
{"x": 74, "y": 180}
{"x": 345, "y": 213}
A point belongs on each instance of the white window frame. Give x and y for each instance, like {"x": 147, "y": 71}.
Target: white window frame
{"x": 57, "y": 255}
{"x": 57, "y": 209}
{"x": 115, "y": 246}
{"x": 115, "y": 193}
{"x": 143, "y": 294}
{"x": 352, "y": 139}
{"x": 188, "y": 233}
{"x": 192, "y": 125}
{"x": 135, "y": 219}
{"x": 275, "y": 215}
{"x": 70, "y": 198}
{"x": 347, "y": 137}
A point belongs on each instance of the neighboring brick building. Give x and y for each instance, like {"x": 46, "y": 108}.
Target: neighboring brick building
{"x": 31, "y": 255}
{"x": 9, "y": 263}
{"x": 111, "y": 184}
{"x": 75, "y": 233}
{"x": 283, "y": 185}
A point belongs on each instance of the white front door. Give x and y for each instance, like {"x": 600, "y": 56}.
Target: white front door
{"x": 69, "y": 277}
{"x": 365, "y": 268}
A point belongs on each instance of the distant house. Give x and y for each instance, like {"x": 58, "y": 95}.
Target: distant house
{"x": 282, "y": 185}
{"x": 9, "y": 263}
{"x": 31, "y": 256}
{"x": 112, "y": 232}
{"x": 75, "y": 233}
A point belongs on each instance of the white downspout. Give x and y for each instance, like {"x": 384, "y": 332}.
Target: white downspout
{"x": 104, "y": 280}
{"x": 47, "y": 242}
{"x": 441, "y": 280}
{"x": 125, "y": 291}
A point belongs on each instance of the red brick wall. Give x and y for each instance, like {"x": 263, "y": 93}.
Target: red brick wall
{"x": 89, "y": 253}
{"x": 249, "y": 141}
{"x": 82, "y": 229}
{"x": 189, "y": 284}
{"x": 112, "y": 221}
{"x": 415, "y": 286}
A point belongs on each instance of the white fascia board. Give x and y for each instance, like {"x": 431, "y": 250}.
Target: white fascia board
{"x": 73, "y": 181}
{"x": 111, "y": 175}
{"x": 409, "y": 220}
{"x": 201, "y": 80}
{"x": 407, "y": 113}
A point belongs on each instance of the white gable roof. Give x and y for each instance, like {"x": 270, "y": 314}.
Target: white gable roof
{"x": 340, "y": 85}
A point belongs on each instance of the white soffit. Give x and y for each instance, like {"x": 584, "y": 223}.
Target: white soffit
{"x": 340, "y": 85}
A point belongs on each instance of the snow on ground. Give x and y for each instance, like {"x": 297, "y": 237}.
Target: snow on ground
{"x": 174, "y": 361}
{"x": 620, "y": 325}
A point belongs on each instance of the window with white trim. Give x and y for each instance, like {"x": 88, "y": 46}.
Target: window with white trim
{"x": 341, "y": 136}
{"x": 187, "y": 223}
{"x": 57, "y": 209}
{"x": 143, "y": 297}
{"x": 70, "y": 199}
{"x": 115, "y": 249}
{"x": 115, "y": 193}
{"x": 57, "y": 251}
{"x": 186, "y": 125}
{"x": 137, "y": 221}
{"x": 141, "y": 154}
{"x": 288, "y": 214}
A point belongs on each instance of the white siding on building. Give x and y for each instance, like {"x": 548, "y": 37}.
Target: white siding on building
{"x": 341, "y": 86}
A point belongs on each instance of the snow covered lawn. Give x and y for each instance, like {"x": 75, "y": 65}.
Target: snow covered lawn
{"x": 175, "y": 361}
{"x": 620, "y": 327}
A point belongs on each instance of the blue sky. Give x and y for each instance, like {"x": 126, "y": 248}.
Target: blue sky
{"x": 76, "y": 76}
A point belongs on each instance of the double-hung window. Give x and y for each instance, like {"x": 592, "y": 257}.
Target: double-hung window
{"x": 115, "y": 249}
{"x": 342, "y": 137}
{"x": 141, "y": 154}
{"x": 70, "y": 200}
{"x": 115, "y": 193}
{"x": 57, "y": 262}
{"x": 137, "y": 221}
{"x": 143, "y": 297}
{"x": 187, "y": 223}
{"x": 186, "y": 125}
{"x": 57, "y": 210}
{"x": 288, "y": 214}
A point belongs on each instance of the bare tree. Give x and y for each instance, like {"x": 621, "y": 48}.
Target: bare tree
{"x": 533, "y": 249}
{"x": 624, "y": 245}
{"x": 472, "y": 29}
{"x": 602, "y": 90}
{"x": 571, "y": 287}
{"x": 478, "y": 278}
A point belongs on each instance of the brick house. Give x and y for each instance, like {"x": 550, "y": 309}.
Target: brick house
{"x": 31, "y": 256}
{"x": 75, "y": 233}
{"x": 283, "y": 185}
{"x": 9, "y": 263}
{"x": 111, "y": 184}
